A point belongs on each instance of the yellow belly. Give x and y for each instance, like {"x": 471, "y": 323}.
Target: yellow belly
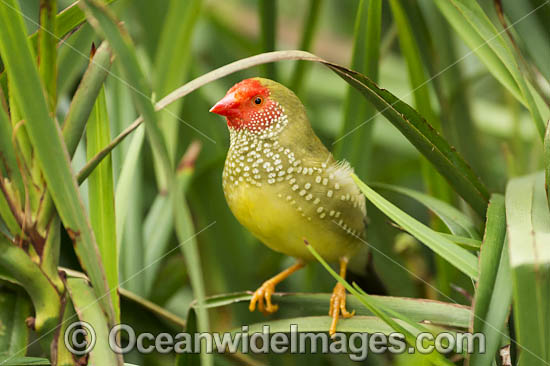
{"x": 281, "y": 226}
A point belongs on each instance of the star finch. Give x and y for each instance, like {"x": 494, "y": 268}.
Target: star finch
{"x": 283, "y": 185}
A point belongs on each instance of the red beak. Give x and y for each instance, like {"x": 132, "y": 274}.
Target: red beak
{"x": 228, "y": 106}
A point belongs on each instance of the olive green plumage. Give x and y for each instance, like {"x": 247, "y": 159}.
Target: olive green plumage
{"x": 283, "y": 184}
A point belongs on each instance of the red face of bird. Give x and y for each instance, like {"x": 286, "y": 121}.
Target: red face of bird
{"x": 248, "y": 105}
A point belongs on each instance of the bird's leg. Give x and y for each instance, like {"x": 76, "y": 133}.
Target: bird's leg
{"x": 338, "y": 299}
{"x": 268, "y": 288}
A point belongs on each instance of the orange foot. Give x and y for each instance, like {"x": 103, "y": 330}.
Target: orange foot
{"x": 338, "y": 306}
{"x": 264, "y": 293}
{"x": 268, "y": 288}
{"x": 338, "y": 299}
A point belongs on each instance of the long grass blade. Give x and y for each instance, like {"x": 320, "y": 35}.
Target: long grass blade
{"x": 388, "y": 316}
{"x": 528, "y": 227}
{"x": 84, "y": 98}
{"x": 157, "y": 230}
{"x": 44, "y": 296}
{"x": 456, "y": 221}
{"x": 186, "y": 236}
{"x": 547, "y": 162}
{"x": 458, "y": 257}
{"x": 129, "y": 211}
{"x": 172, "y": 66}
{"x": 474, "y": 26}
{"x": 66, "y": 21}
{"x": 101, "y": 196}
{"x": 70, "y": 61}
{"x": 89, "y": 311}
{"x": 268, "y": 21}
{"x": 453, "y": 94}
{"x": 104, "y": 22}
{"x": 310, "y": 29}
{"x": 16, "y": 308}
{"x": 490, "y": 257}
{"x": 45, "y": 135}
{"x": 9, "y": 170}
{"x": 464, "y": 242}
{"x": 50, "y": 255}
{"x": 493, "y": 294}
{"x": 422, "y": 135}
{"x": 47, "y": 50}
{"x": 358, "y": 116}
{"x": 437, "y": 312}
{"x": 531, "y": 31}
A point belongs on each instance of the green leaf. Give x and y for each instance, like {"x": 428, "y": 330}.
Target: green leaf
{"x": 547, "y": 162}
{"x": 153, "y": 308}
{"x": 85, "y": 96}
{"x": 417, "y": 76}
{"x": 268, "y": 24}
{"x": 356, "y": 324}
{"x": 71, "y": 60}
{"x": 531, "y": 32}
{"x": 427, "y": 141}
{"x": 10, "y": 170}
{"x": 188, "y": 243}
{"x": 358, "y": 117}
{"x": 474, "y": 26}
{"x": 50, "y": 255}
{"x": 89, "y": 311}
{"x": 66, "y": 21}
{"x": 461, "y": 23}
{"x": 92, "y": 163}
{"x": 157, "y": 230}
{"x": 418, "y": 80}
{"x": 8, "y": 166}
{"x": 129, "y": 213}
{"x": 101, "y": 196}
{"x": 45, "y": 136}
{"x": 409, "y": 328}
{"x": 464, "y": 242}
{"x": 458, "y": 257}
{"x": 61, "y": 355}
{"x": 172, "y": 61}
{"x": 159, "y": 222}
{"x": 105, "y": 23}
{"x": 528, "y": 222}
{"x": 494, "y": 325}
{"x": 310, "y": 29}
{"x": 24, "y": 361}
{"x": 451, "y": 89}
{"x": 436, "y": 312}
{"x": 493, "y": 294}
{"x": 458, "y": 223}
{"x": 190, "y": 358}
{"x": 490, "y": 258}
{"x": 45, "y": 299}
{"x": 47, "y": 50}
{"x": 16, "y": 308}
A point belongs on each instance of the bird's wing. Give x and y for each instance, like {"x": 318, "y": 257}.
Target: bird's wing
{"x": 341, "y": 200}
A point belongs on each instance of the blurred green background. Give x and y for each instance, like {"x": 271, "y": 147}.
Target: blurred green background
{"x": 177, "y": 41}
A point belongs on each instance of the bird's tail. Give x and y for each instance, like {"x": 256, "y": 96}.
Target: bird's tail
{"x": 364, "y": 274}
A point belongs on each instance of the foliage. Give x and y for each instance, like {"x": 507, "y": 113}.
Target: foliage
{"x": 443, "y": 111}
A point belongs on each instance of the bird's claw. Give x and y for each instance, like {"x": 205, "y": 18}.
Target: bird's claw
{"x": 264, "y": 293}
{"x": 338, "y": 306}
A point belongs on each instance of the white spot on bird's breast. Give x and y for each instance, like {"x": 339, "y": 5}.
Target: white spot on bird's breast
{"x": 256, "y": 158}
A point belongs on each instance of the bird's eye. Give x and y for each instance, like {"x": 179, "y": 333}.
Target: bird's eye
{"x": 258, "y": 100}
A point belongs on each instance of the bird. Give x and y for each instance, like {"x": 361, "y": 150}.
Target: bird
{"x": 285, "y": 186}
